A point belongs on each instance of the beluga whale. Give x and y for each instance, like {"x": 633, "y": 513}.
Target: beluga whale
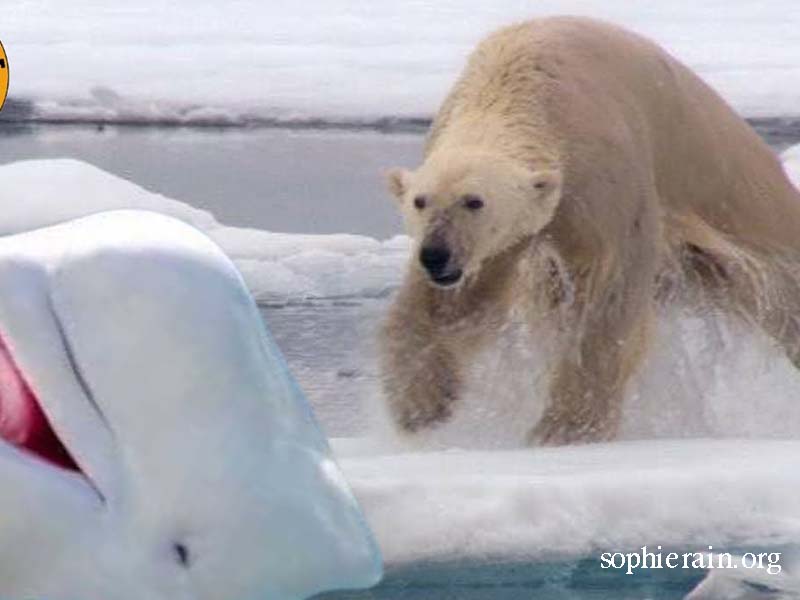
{"x": 153, "y": 443}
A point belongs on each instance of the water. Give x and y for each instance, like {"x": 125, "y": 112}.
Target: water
{"x": 569, "y": 580}
{"x": 330, "y": 348}
{"x": 273, "y": 179}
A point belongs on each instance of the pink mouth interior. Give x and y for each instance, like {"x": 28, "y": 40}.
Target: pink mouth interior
{"x": 22, "y": 421}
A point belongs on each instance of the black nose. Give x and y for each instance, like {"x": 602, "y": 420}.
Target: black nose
{"x": 434, "y": 258}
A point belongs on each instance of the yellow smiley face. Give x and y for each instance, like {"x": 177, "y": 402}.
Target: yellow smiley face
{"x": 3, "y": 75}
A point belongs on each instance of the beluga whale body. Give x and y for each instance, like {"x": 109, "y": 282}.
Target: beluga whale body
{"x": 154, "y": 445}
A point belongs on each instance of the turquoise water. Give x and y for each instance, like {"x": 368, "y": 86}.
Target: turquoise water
{"x": 575, "y": 580}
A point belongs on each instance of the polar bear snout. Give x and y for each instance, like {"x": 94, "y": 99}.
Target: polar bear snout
{"x": 434, "y": 258}
{"x": 437, "y": 261}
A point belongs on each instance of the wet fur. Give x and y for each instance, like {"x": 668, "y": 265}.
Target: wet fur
{"x": 666, "y": 192}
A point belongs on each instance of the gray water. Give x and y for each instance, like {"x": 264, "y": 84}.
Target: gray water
{"x": 330, "y": 349}
{"x": 329, "y": 182}
{"x": 273, "y": 179}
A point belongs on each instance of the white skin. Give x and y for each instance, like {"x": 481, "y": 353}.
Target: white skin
{"x": 202, "y": 475}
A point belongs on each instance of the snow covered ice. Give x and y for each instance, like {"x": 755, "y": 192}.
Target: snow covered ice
{"x": 574, "y": 501}
{"x": 752, "y": 584}
{"x": 251, "y": 61}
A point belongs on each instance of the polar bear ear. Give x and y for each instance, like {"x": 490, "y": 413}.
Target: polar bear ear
{"x": 397, "y": 181}
{"x": 546, "y": 182}
{"x": 546, "y": 185}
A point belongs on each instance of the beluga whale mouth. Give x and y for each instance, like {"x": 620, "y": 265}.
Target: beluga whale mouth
{"x": 153, "y": 443}
{"x": 23, "y": 423}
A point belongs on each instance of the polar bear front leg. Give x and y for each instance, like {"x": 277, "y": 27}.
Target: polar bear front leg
{"x": 421, "y": 392}
{"x": 420, "y": 373}
{"x": 587, "y": 387}
{"x": 580, "y": 410}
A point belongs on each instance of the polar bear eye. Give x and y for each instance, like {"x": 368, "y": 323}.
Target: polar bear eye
{"x": 420, "y": 202}
{"x": 472, "y": 202}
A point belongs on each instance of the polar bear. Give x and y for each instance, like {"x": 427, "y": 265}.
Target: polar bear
{"x": 578, "y": 171}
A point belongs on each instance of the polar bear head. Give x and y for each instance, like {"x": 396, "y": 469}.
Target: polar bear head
{"x": 462, "y": 208}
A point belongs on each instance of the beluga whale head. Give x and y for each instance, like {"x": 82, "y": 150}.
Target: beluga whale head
{"x": 154, "y": 445}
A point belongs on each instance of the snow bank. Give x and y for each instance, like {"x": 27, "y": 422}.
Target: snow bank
{"x": 190, "y": 62}
{"x": 577, "y": 501}
{"x": 277, "y": 267}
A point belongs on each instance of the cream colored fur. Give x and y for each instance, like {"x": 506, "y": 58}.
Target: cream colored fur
{"x": 611, "y": 177}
